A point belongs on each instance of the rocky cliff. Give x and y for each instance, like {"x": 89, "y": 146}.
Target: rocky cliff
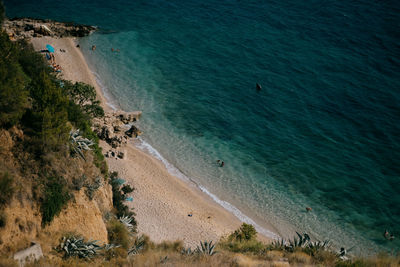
{"x": 22, "y": 28}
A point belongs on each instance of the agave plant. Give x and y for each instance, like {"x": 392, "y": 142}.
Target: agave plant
{"x": 279, "y": 244}
{"x": 127, "y": 221}
{"x": 299, "y": 242}
{"x": 138, "y": 245}
{"x": 91, "y": 188}
{"x": 206, "y": 248}
{"x": 79, "y": 143}
{"x": 319, "y": 245}
{"x": 187, "y": 251}
{"x": 107, "y": 247}
{"x": 74, "y": 246}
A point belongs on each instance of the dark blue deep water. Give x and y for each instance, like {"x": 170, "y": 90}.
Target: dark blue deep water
{"x": 323, "y": 132}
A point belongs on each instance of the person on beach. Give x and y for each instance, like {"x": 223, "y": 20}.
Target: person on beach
{"x": 93, "y": 47}
{"x": 222, "y": 164}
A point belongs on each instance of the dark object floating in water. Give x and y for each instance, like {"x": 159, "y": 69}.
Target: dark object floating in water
{"x": 258, "y": 87}
{"x": 388, "y": 236}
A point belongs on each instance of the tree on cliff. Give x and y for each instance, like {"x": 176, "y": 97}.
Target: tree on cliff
{"x": 13, "y": 81}
{"x": 48, "y": 116}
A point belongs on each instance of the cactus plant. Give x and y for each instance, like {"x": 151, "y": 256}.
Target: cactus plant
{"x": 107, "y": 247}
{"x": 79, "y": 143}
{"x": 301, "y": 242}
{"x": 91, "y": 188}
{"x": 138, "y": 245}
{"x": 206, "y": 248}
{"x": 187, "y": 251}
{"x": 127, "y": 221}
{"x": 279, "y": 244}
{"x": 74, "y": 246}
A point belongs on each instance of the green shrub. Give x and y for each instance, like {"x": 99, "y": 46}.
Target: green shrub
{"x": 32, "y": 63}
{"x": 119, "y": 197}
{"x": 3, "y": 219}
{"x": 56, "y": 197}
{"x": 49, "y": 108}
{"x": 84, "y": 95}
{"x": 6, "y": 189}
{"x": 118, "y": 234}
{"x": 13, "y": 82}
{"x": 246, "y": 232}
{"x": 172, "y": 246}
{"x": 246, "y": 246}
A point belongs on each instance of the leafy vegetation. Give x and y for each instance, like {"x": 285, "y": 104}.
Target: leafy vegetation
{"x": 45, "y": 109}
{"x": 119, "y": 196}
{"x": 76, "y": 247}
{"x": 118, "y": 233}
{"x": 206, "y": 248}
{"x": 3, "y": 219}
{"x": 13, "y": 83}
{"x": 79, "y": 144}
{"x": 84, "y": 95}
{"x": 138, "y": 245}
{"x": 243, "y": 240}
{"x": 6, "y": 189}
{"x": 56, "y": 197}
{"x": 246, "y": 232}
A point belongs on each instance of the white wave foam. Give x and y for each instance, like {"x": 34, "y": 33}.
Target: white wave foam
{"x": 143, "y": 145}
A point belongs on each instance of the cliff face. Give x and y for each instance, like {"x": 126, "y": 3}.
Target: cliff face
{"x": 23, "y": 218}
{"x": 81, "y": 216}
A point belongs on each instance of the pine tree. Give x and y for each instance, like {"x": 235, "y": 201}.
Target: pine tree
{"x": 13, "y": 81}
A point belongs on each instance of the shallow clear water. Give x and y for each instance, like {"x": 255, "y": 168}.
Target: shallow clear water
{"x": 323, "y": 132}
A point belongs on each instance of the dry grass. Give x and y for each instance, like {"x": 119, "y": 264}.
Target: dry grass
{"x": 274, "y": 255}
{"x": 164, "y": 255}
{"x": 118, "y": 233}
{"x": 299, "y": 257}
{"x": 8, "y": 263}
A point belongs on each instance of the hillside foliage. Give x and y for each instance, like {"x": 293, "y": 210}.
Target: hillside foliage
{"x": 45, "y": 109}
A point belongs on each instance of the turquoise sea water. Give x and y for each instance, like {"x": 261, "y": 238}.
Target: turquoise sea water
{"x": 323, "y": 132}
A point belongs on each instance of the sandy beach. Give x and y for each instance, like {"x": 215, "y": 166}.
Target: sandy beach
{"x": 166, "y": 207}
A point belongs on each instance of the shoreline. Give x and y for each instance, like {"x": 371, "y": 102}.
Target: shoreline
{"x": 162, "y": 202}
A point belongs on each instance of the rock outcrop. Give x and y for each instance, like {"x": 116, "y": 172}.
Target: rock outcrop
{"x": 25, "y": 28}
{"x": 116, "y": 129}
{"x": 32, "y": 253}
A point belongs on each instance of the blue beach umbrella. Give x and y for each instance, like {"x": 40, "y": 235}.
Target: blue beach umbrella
{"x": 50, "y": 48}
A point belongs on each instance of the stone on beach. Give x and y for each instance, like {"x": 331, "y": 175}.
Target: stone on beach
{"x": 32, "y": 253}
{"x": 133, "y": 131}
{"x": 27, "y": 28}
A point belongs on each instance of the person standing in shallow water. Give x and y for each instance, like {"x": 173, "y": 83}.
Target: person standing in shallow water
{"x": 220, "y": 163}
